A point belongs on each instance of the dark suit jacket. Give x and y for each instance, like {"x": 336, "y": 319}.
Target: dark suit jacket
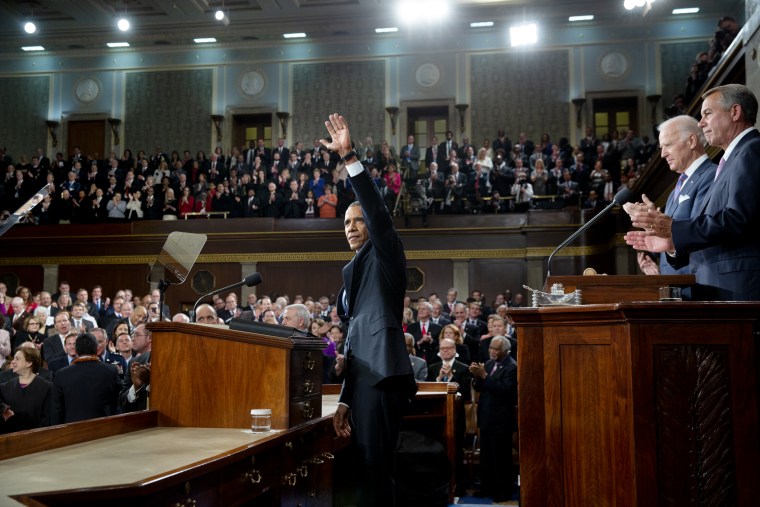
{"x": 84, "y": 391}
{"x": 51, "y": 347}
{"x": 58, "y": 362}
{"x": 686, "y": 205}
{"x": 460, "y": 373}
{"x": 374, "y": 286}
{"x": 141, "y": 402}
{"x": 498, "y": 396}
{"x": 722, "y": 243}
{"x": 425, "y": 351}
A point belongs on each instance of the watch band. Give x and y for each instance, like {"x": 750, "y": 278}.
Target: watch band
{"x": 348, "y": 156}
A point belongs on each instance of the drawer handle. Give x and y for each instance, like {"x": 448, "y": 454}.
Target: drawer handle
{"x": 303, "y": 471}
{"x": 254, "y": 476}
{"x": 308, "y": 386}
{"x": 289, "y": 479}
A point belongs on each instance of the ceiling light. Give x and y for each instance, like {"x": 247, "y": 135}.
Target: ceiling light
{"x": 117, "y": 44}
{"x": 32, "y": 48}
{"x": 523, "y": 35}
{"x": 390, "y": 29}
{"x": 686, "y": 10}
{"x": 298, "y": 35}
{"x": 30, "y": 27}
{"x": 219, "y": 15}
{"x": 585, "y": 17}
{"x": 481, "y": 24}
{"x": 204, "y": 40}
{"x": 412, "y": 11}
{"x": 123, "y": 24}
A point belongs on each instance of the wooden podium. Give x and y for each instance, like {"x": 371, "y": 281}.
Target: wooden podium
{"x": 599, "y": 289}
{"x": 211, "y": 377}
{"x": 639, "y": 404}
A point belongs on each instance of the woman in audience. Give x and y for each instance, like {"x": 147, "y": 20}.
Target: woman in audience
{"x": 392, "y": 182}
{"x": 64, "y": 302}
{"x": 170, "y": 205}
{"x": 484, "y": 160}
{"x": 186, "y": 203}
{"x": 540, "y": 178}
{"x": 25, "y": 294}
{"x": 134, "y": 206}
{"x": 452, "y": 332}
{"x": 407, "y": 318}
{"x": 33, "y": 331}
{"x": 127, "y": 161}
{"x": 328, "y": 204}
{"x": 25, "y": 400}
{"x": 307, "y": 165}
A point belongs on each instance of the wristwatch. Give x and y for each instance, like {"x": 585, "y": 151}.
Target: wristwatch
{"x": 348, "y": 156}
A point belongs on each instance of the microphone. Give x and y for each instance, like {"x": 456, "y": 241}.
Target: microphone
{"x": 620, "y": 198}
{"x": 248, "y": 281}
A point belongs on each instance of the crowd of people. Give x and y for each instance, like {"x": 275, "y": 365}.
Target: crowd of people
{"x": 297, "y": 182}
{"x": 49, "y": 342}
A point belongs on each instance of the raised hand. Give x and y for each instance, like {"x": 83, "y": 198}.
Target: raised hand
{"x": 337, "y": 127}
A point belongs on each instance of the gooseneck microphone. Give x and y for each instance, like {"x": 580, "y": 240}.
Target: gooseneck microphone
{"x": 248, "y": 281}
{"x": 620, "y": 198}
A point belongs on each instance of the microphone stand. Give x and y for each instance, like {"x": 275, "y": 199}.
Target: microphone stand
{"x": 620, "y": 198}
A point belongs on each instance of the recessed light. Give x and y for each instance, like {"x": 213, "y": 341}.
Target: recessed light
{"x": 299, "y": 35}
{"x": 32, "y": 48}
{"x": 123, "y": 24}
{"x": 117, "y": 44}
{"x": 585, "y": 17}
{"x": 219, "y": 15}
{"x": 204, "y": 40}
{"x": 686, "y": 10}
{"x": 30, "y": 27}
{"x": 481, "y": 24}
{"x": 523, "y": 35}
{"x": 390, "y": 29}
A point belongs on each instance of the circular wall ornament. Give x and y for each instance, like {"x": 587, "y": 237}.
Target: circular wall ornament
{"x": 614, "y": 65}
{"x": 428, "y": 74}
{"x": 87, "y": 89}
{"x": 252, "y": 83}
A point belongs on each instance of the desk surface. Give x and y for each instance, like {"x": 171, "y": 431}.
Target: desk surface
{"x": 111, "y": 461}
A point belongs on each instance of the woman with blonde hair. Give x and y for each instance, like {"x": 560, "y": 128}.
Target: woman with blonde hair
{"x": 452, "y": 332}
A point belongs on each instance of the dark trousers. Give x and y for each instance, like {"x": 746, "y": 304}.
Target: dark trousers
{"x": 496, "y": 463}
{"x": 376, "y": 413}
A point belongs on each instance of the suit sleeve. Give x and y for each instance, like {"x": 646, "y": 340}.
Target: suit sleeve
{"x": 738, "y": 219}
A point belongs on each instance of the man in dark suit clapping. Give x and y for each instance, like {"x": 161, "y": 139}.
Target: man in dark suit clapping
{"x": 496, "y": 381}
{"x": 379, "y": 382}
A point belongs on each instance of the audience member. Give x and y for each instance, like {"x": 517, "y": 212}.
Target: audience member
{"x": 25, "y": 400}
{"x": 87, "y": 389}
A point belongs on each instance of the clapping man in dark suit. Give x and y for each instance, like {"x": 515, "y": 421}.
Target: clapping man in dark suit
{"x": 379, "y": 382}
{"x": 496, "y": 381}
{"x": 721, "y": 243}
{"x": 87, "y": 389}
{"x": 425, "y": 333}
{"x": 136, "y": 385}
{"x": 448, "y": 369}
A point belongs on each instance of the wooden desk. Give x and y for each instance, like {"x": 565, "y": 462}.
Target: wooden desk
{"x": 639, "y": 404}
{"x": 133, "y": 461}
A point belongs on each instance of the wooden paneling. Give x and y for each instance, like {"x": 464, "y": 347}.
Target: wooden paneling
{"x": 639, "y": 404}
{"x": 89, "y": 135}
{"x": 492, "y": 276}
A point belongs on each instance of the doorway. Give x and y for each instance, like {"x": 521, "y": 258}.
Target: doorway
{"x": 89, "y": 135}
{"x": 424, "y": 123}
{"x": 251, "y": 127}
{"x": 620, "y": 113}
